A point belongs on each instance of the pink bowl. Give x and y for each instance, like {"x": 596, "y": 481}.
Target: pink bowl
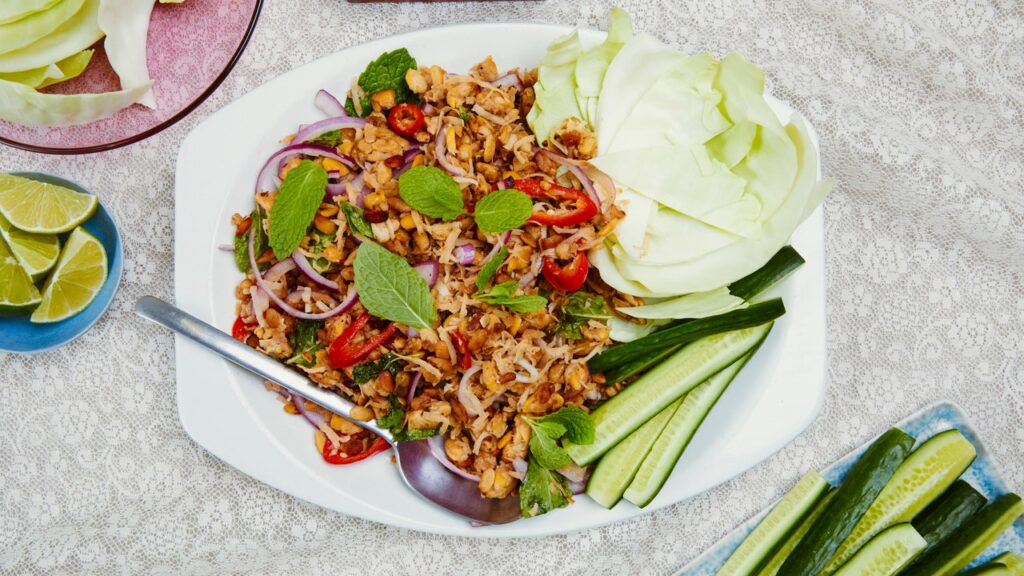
{"x": 191, "y": 49}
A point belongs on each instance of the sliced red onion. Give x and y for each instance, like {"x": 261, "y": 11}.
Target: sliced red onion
{"x": 407, "y": 158}
{"x": 260, "y": 303}
{"x": 575, "y": 473}
{"x": 441, "y": 155}
{"x": 359, "y": 185}
{"x": 529, "y": 277}
{"x": 328, "y": 104}
{"x": 335, "y": 189}
{"x": 577, "y": 488}
{"x": 317, "y": 128}
{"x": 412, "y": 332}
{"x": 315, "y": 419}
{"x": 469, "y": 401}
{"x": 306, "y": 268}
{"x": 414, "y": 384}
{"x": 519, "y": 465}
{"x": 350, "y": 299}
{"x": 510, "y": 79}
{"x": 226, "y": 247}
{"x": 428, "y": 109}
{"x": 436, "y": 444}
{"x": 503, "y": 241}
{"x": 430, "y": 270}
{"x": 465, "y": 253}
{"x": 277, "y": 270}
{"x": 268, "y": 181}
{"x": 578, "y": 173}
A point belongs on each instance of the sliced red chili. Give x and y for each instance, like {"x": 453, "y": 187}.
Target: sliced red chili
{"x": 462, "y": 348}
{"x": 568, "y": 278}
{"x": 240, "y": 330}
{"x": 331, "y": 457}
{"x": 405, "y": 119}
{"x": 583, "y": 209}
{"x": 344, "y": 353}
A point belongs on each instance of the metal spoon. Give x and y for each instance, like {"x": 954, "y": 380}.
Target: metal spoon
{"x": 419, "y": 470}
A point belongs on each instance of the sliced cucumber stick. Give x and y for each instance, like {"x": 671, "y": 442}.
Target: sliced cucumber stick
{"x": 772, "y": 565}
{"x": 616, "y": 469}
{"x": 866, "y": 479}
{"x": 943, "y": 516}
{"x": 1012, "y": 561}
{"x": 990, "y": 569}
{"x": 661, "y": 459}
{"x": 970, "y": 539}
{"x": 885, "y": 554}
{"x": 666, "y": 383}
{"x": 783, "y": 518}
{"x": 922, "y": 478}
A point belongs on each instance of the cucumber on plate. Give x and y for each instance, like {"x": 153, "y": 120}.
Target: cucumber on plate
{"x": 922, "y": 478}
{"x": 780, "y": 522}
{"x": 970, "y": 539}
{"x": 866, "y": 479}
{"x": 885, "y": 554}
{"x": 675, "y": 436}
{"x": 654, "y": 391}
{"x": 615, "y": 470}
{"x": 943, "y": 516}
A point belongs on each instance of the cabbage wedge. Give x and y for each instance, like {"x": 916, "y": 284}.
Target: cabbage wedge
{"x": 25, "y": 106}
{"x": 73, "y": 36}
{"x": 21, "y": 33}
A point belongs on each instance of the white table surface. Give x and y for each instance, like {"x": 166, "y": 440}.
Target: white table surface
{"x": 920, "y": 110}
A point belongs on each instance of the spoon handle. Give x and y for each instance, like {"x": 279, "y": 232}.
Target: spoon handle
{"x": 263, "y": 366}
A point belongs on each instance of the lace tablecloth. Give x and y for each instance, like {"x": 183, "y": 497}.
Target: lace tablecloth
{"x": 920, "y": 109}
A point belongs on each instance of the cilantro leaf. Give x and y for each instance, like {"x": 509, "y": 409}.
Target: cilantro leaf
{"x": 577, "y": 425}
{"x": 357, "y": 223}
{"x": 502, "y": 210}
{"x": 259, "y": 243}
{"x": 303, "y": 341}
{"x": 542, "y": 490}
{"x": 488, "y": 270}
{"x": 431, "y": 191}
{"x": 295, "y": 206}
{"x": 363, "y": 373}
{"x": 503, "y": 295}
{"x": 390, "y": 288}
{"x": 387, "y": 72}
{"x": 578, "y": 309}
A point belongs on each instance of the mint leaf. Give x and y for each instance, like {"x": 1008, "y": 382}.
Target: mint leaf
{"x": 395, "y": 417}
{"x": 387, "y": 72}
{"x": 356, "y": 221}
{"x": 542, "y": 490}
{"x": 390, "y": 288}
{"x": 576, "y": 423}
{"x": 414, "y": 433}
{"x": 363, "y": 373}
{"x": 304, "y": 341}
{"x": 295, "y": 206}
{"x": 488, "y": 270}
{"x": 502, "y": 210}
{"x": 503, "y": 295}
{"x": 543, "y": 443}
{"x": 431, "y": 192}
{"x": 330, "y": 139}
{"x": 579, "y": 309}
{"x": 242, "y": 242}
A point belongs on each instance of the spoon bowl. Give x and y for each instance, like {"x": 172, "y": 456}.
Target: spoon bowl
{"x": 419, "y": 469}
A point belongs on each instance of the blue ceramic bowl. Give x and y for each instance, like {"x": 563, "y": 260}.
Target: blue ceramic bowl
{"x": 17, "y": 334}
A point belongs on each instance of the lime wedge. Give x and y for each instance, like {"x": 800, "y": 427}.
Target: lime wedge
{"x": 36, "y": 253}
{"x": 16, "y": 289}
{"x": 80, "y": 273}
{"x": 43, "y": 208}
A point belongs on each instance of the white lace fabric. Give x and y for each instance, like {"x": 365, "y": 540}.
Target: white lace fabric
{"x": 920, "y": 109}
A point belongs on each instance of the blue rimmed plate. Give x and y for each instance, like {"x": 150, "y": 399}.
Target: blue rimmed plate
{"x": 17, "y": 334}
{"x": 936, "y": 418}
